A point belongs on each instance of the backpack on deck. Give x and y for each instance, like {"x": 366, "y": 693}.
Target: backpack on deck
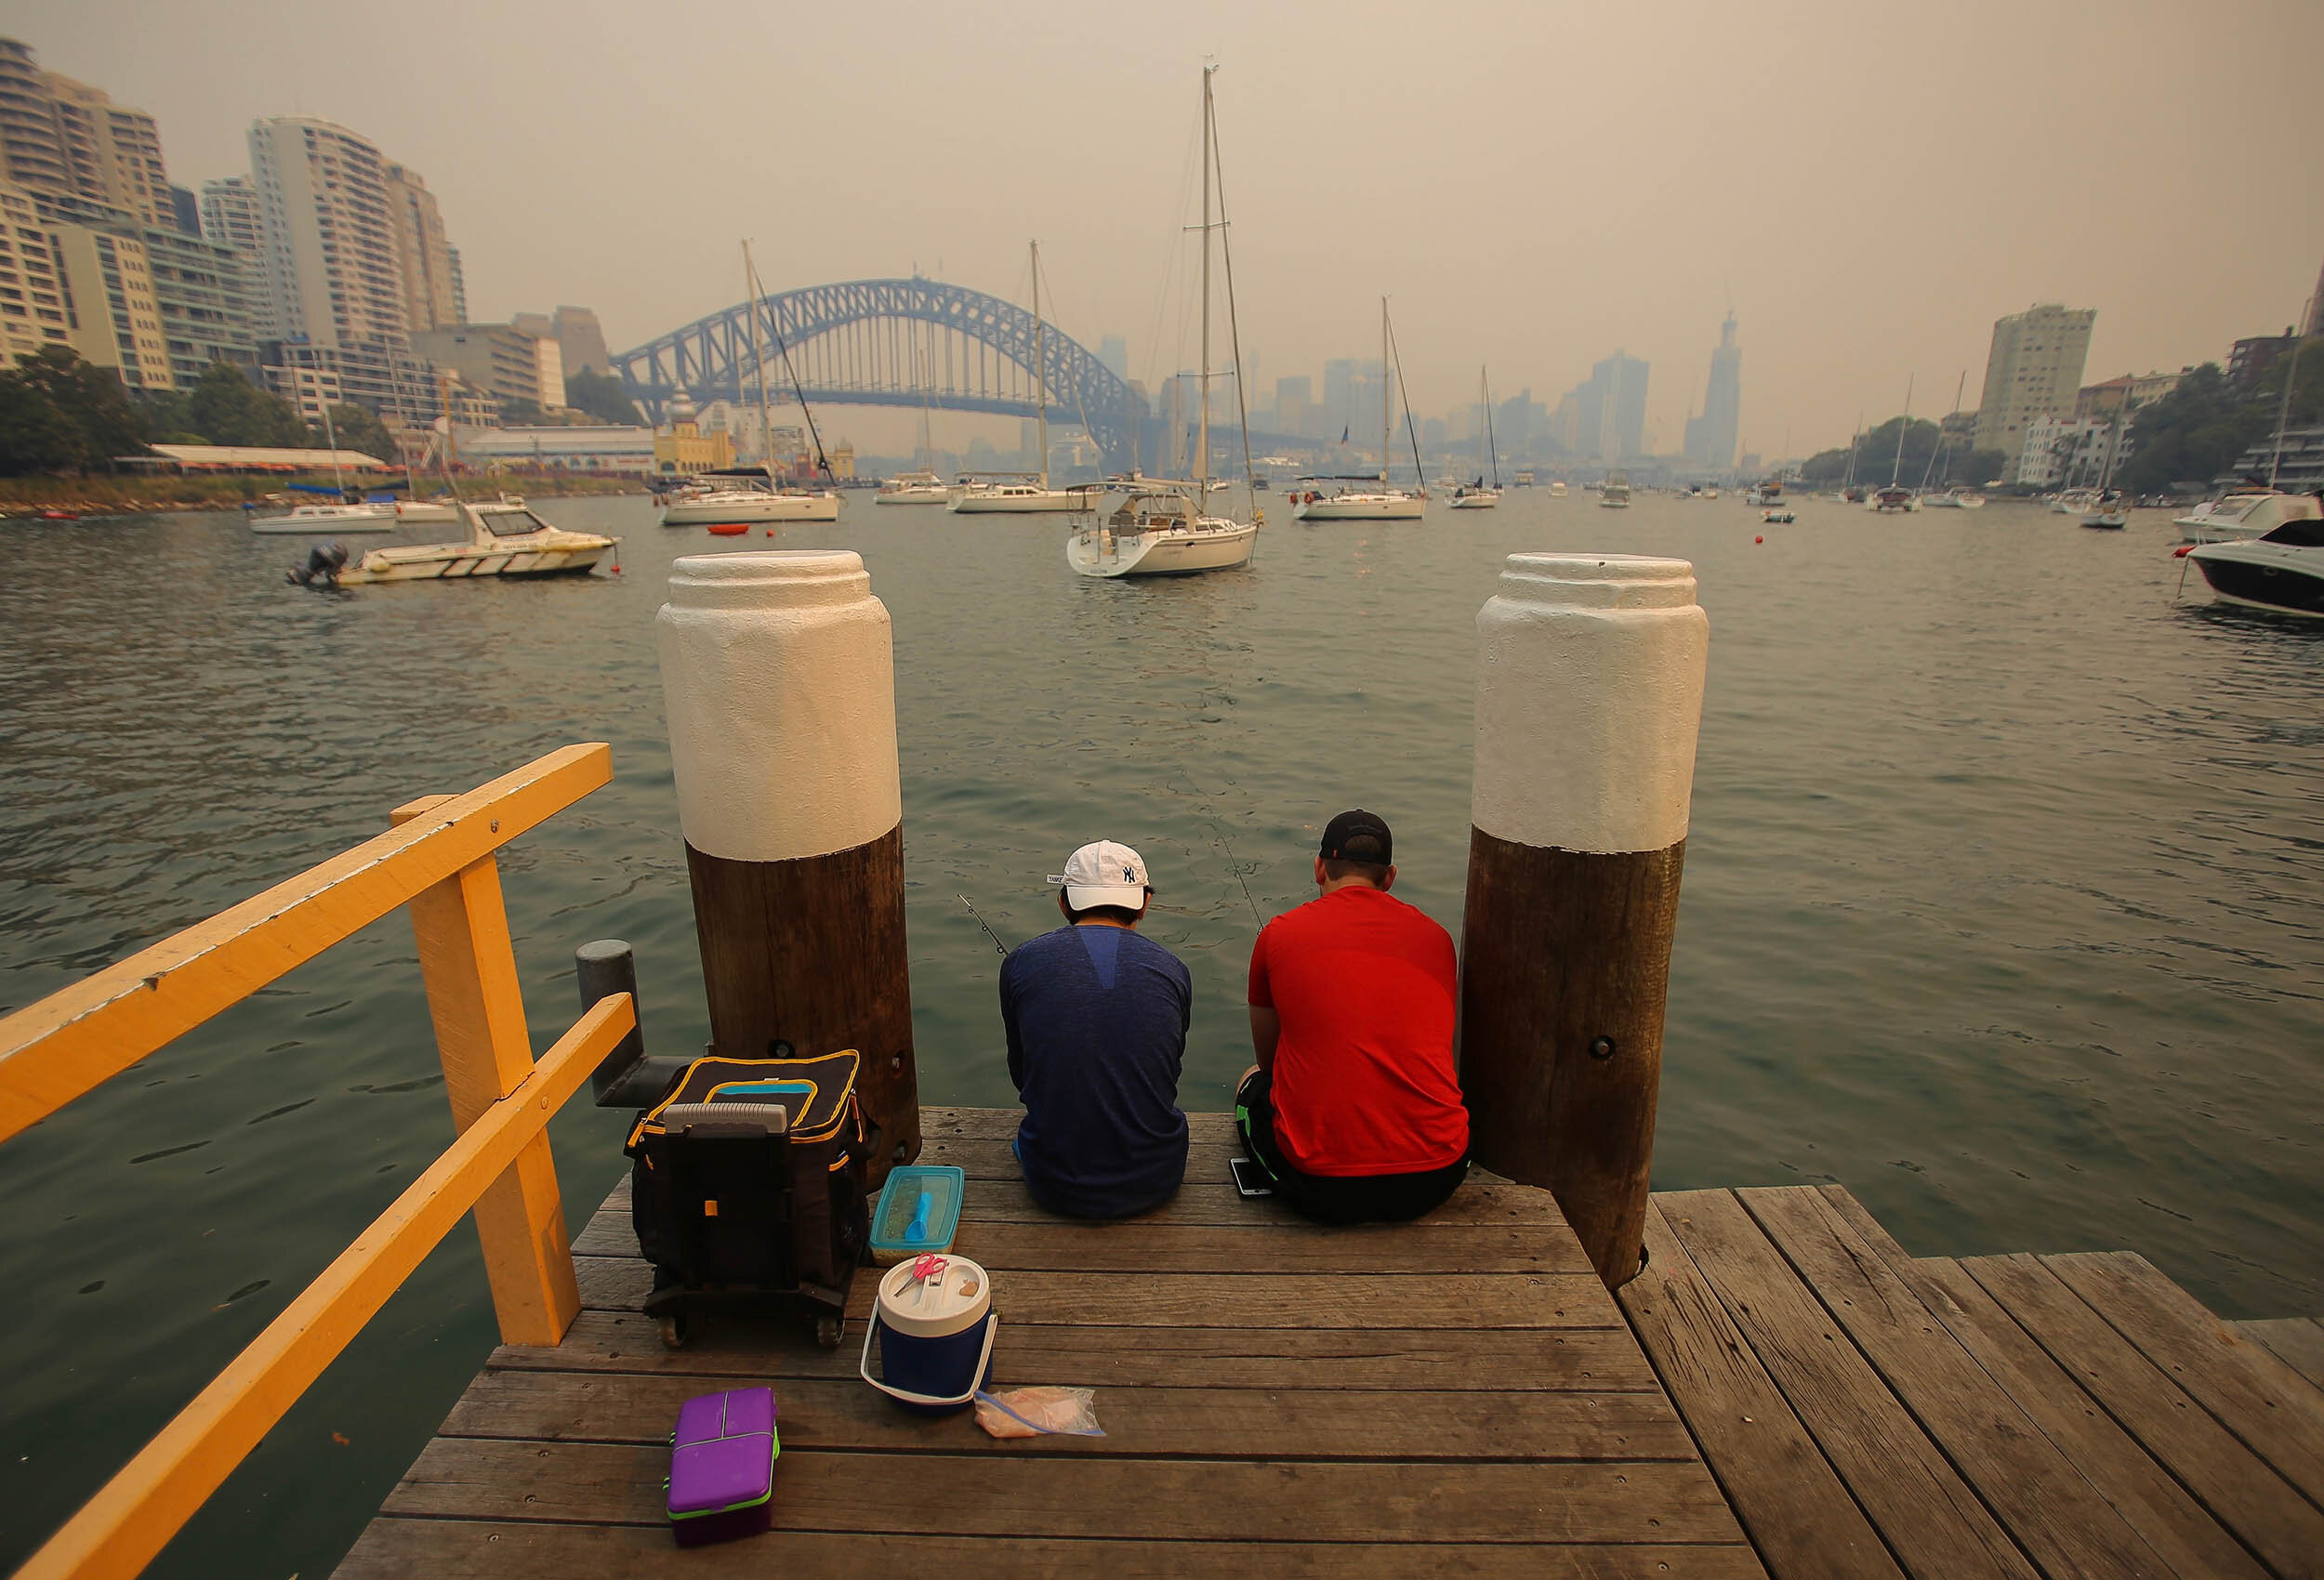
{"x": 746, "y": 1188}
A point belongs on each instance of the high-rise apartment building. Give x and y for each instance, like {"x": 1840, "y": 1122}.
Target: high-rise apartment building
{"x": 582, "y": 340}
{"x": 139, "y": 275}
{"x": 59, "y": 138}
{"x": 2033, "y": 370}
{"x": 231, "y": 219}
{"x": 1607, "y": 421}
{"x": 333, "y": 272}
{"x": 431, "y": 300}
{"x": 1710, "y": 437}
{"x": 34, "y": 308}
{"x": 499, "y": 358}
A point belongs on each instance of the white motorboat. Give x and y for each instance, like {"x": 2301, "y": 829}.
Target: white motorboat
{"x": 913, "y": 488}
{"x": 1711, "y": 493}
{"x": 1557, "y": 488}
{"x": 1165, "y": 530}
{"x": 1157, "y": 532}
{"x": 1614, "y": 494}
{"x": 313, "y": 520}
{"x": 1474, "y": 496}
{"x": 503, "y": 540}
{"x": 419, "y": 512}
{"x": 2244, "y": 515}
{"x": 1781, "y": 518}
{"x": 2281, "y": 570}
{"x": 1016, "y": 498}
{"x": 1892, "y": 501}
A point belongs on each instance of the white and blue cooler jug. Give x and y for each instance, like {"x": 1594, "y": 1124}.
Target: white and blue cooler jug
{"x": 934, "y": 1324}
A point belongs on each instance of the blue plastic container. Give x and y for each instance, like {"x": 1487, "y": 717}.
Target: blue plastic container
{"x": 919, "y": 1211}
{"x": 934, "y": 1323}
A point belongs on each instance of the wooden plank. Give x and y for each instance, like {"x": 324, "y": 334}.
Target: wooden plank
{"x": 2238, "y": 1489}
{"x": 1061, "y": 1245}
{"x": 131, "y": 1518}
{"x": 2254, "y": 1394}
{"x": 454, "y": 1549}
{"x": 2297, "y": 1341}
{"x": 1319, "y": 1424}
{"x": 1357, "y": 1300}
{"x": 2157, "y": 1508}
{"x": 1007, "y": 1201}
{"x": 476, "y": 1005}
{"x": 82, "y": 1036}
{"x": 1798, "y": 1515}
{"x": 2062, "y": 1522}
{"x": 1930, "y": 1518}
{"x": 984, "y": 1494}
{"x": 1440, "y": 1359}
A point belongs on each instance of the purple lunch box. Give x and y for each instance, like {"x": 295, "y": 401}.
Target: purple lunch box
{"x": 721, "y": 1466}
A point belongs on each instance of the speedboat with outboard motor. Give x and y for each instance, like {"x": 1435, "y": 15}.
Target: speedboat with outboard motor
{"x": 2245, "y": 514}
{"x": 2283, "y": 571}
{"x": 503, "y": 540}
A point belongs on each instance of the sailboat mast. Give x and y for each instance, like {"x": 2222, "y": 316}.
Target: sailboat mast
{"x": 1040, "y": 369}
{"x": 331, "y": 438}
{"x": 1202, "y": 390}
{"x": 2283, "y": 409}
{"x": 1904, "y": 427}
{"x": 1385, "y": 403}
{"x": 766, "y": 429}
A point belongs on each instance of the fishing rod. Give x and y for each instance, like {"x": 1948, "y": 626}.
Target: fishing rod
{"x": 980, "y": 922}
{"x": 1229, "y": 846}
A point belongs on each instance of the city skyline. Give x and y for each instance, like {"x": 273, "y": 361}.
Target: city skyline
{"x": 560, "y": 156}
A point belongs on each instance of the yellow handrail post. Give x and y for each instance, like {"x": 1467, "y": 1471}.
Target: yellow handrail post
{"x": 468, "y": 964}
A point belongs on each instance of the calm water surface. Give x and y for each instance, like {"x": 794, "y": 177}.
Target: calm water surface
{"x": 2000, "y": 907}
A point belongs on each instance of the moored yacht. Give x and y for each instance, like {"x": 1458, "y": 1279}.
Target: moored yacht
{"x": 913, "y": 488}
{"x": 2243, "y": 515}
{"x": 1356, "y": 499}
{"x": 369, "y": 516}
{"x": 746, "y": 493}
{"x": 1029, "y": 495}
{"x": 2282, "y": 571}
{"x": 1159, "y": 531}
{"x": 1614, "y": 494}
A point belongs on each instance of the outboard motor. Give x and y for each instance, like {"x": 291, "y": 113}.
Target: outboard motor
{"x": 324, "y": 562}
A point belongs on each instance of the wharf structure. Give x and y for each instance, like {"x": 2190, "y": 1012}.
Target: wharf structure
{"x": 1565, "y": 1378}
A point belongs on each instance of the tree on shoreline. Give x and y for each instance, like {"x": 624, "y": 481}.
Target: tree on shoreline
{"x": 58, "y": 414}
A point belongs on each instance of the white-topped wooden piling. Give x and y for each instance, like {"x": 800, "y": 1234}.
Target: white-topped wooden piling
{"x": 1589, "y": 691}
{"x": 778, "y": 673}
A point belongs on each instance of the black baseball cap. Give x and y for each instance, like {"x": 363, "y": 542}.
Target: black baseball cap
{"x": 1352, "y": 827}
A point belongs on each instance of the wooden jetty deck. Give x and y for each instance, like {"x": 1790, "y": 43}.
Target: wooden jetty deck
{"x": 1783, "y": 1391}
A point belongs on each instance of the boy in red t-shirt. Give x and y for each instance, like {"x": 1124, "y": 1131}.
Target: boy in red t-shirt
{"x": 1355, "y": 1108}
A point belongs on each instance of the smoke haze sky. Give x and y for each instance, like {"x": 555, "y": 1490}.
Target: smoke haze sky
{"x": 1535, "y": 184}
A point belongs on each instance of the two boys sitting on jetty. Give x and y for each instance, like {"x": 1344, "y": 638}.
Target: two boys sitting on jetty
{"x": 1353, "y": 1109}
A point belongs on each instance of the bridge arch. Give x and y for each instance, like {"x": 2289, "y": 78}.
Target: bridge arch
{"x": 853, "y": 342}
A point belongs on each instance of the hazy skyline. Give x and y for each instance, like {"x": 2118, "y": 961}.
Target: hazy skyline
{"x": 1535, "y": 185}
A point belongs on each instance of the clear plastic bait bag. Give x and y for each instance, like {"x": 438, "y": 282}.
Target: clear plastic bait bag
{"x": 1029, "y": 1412}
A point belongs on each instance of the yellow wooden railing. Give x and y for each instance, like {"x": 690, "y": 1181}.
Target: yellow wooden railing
{"x": 437, "y": 859}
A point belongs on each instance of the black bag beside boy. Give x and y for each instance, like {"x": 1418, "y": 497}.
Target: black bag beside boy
{"x": 746, "y": 1189}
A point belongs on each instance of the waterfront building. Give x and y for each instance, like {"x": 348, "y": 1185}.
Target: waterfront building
{"x": 380, "y": 374}
{"x": 59, "y": 138}
{"x": 33, "y": 307}
{"x": 603, "y": 448}
{"x": 1712, "y": 438}
{"x": 2106, "y": 398}
{"x": 498, "y": 357}
{"x": 580, "y": 341}
{"x": 2298, "y": 470}
{"x": 198, "y": 292}
{"x": 330, "y": 265}
{"x": 423, "y": 256}
{"x": 2059, "y": 451}
{"x": 2254, "y": 354}
{"x": 681, "y": 448}
{"x": 2032, "y": 370}
{"x": 116, "y": 322}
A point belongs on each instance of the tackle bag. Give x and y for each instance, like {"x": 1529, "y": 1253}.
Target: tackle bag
{"x": 746, "y": 1186}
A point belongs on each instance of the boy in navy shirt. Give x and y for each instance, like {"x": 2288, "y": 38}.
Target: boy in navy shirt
{"x": 1096, "y": 1017}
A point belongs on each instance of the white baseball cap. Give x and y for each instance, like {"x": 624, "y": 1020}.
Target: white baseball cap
{"x": 1103, "y": 874}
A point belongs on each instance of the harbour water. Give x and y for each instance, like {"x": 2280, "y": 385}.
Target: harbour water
{"x": 1999, "y": 903}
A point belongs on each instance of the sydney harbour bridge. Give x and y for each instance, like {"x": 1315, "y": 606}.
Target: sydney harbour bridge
{"x": 914, "y": 343}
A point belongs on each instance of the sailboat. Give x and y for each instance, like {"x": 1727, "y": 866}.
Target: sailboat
{"x": 1361, "y": 498}
{"x": 1477, "y": 496}
{"x": 735, "y": 495}
{"x": 1162, "y": 529}
{"x": 1895, "y": 499}
{"x": 2109, "y": 509}
{"x": 1014, "y": 494}
{"x": 349, "y": 515}
{"x": 922, "y": 487}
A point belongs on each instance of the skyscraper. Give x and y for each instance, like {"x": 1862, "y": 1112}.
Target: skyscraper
{"x": 424, "y": 257}
{"x": 1711, "y": 438}
{"x": 2033, "y": 370}
{"x": 332, "y": 270}
{"x": 231, "y": 219}
{"x": 1610, "y": 410}
{"x": 59, "y": 138}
